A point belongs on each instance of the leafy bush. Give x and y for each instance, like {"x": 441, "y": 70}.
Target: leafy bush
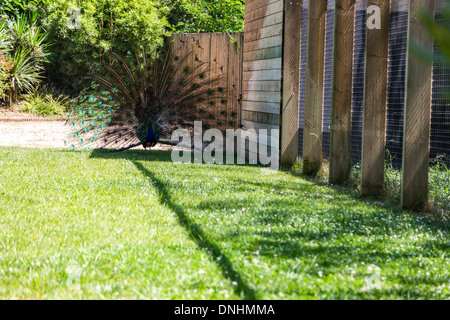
{"x": 5, "y": 63}
{"x": 440, "y": 185}
{"x": 5, "y": 67}
{"x": 46, "y": 101}
{"x": 82, "y": 39}
{"x": 206, "y": 15}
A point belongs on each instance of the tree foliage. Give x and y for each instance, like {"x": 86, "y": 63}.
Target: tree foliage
{"x": 82, "y": 39}
{"x": 206, "y": 15}
{"x": 14, "y": 8}
{"x": 83, "y": 31}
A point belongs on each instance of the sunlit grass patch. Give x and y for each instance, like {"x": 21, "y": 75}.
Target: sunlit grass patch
{"x": 136, "y": 225}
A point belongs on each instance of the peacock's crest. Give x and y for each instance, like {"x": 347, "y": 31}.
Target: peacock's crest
{"x": 141, "y": 100}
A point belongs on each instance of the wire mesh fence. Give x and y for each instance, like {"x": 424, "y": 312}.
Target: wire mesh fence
{"x": 359, "y": 62}
{"x": 328, "y": 93}
{"x": 440, "y": 123}
{"x": 304, "y": 40}
{"x": 440, "y": 111}
{"x": 396, "y": 81}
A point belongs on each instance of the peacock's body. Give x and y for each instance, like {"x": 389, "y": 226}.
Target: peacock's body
{"x": 141, "y": 101}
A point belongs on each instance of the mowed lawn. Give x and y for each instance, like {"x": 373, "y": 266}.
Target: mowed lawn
{"x": 135, "y": 225}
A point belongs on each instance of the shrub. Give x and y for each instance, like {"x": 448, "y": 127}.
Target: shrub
{"x": 46, "y": 101}
{"x": 82, "y": 40}
{"x": 440, "y": 185}
{"x": 5, "y": 63}
{"x": 5, "y": 67}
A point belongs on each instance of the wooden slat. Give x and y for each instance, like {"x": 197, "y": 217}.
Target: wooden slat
{"x": 257, "y": 4}
{"x": 182, "y": 48}
{"x": 266, "y": 32}
{"x": 204, "y": 52}
{"x": 375, "y": 103}
{"x": 262, "y": 54}
{"x": 262, "y": 107}
{"x": 267, "y": 86}
{"x": 315, "y": 62}
{"x": 234, "y": 81}
{"x": 274, "y": 74}
{"x": 257, "y": 126}
{"x": 261, "y": 117}
{"x": 265, "y": 43}
{"x": 260, "y": 96}
{"x": 291, "y": 82}
{"x": 240, "y": 77}
{"x": 341, "y": 114}
{"x": 219, "y": 67}
{"x": 417, "y": 111}
{"x": 268, "y": 64}
{"x": 263, "y": 12}
{"x": 272, "y": 20}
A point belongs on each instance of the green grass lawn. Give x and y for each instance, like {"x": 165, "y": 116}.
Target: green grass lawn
{"x": 135, "y": 225}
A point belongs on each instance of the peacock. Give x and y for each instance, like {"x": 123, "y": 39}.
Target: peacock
{"x": 140, "y": 99}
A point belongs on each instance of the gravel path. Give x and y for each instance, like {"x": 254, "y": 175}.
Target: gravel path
{"x": 48, "y": 134}
{"x": 40, "y": 134}
{"x": 19, "y": 129}
{"x": 25, "y": 130}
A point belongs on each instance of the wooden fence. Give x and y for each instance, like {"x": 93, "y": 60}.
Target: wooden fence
{"x": 263, "y": 53}
{"x": 272, "y": 53}
{"x": 222, "y": 52}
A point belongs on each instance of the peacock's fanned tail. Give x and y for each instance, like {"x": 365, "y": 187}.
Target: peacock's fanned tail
{"x": 138, "y": 92}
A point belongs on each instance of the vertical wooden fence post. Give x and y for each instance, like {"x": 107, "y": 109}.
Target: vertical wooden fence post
{"x": 416, "y": 141}
{"x": 291, "y": 81}
{"x": 235, "y": 65}
{"x": 315, "y": 66}
{"x": 341, "y": 114}
{"x": 375, "y": 103}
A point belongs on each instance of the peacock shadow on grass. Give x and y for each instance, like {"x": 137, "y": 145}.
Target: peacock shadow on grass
{"x": 349, "y": 215}
{"x": 195, "y": 231}
{"x": 153, "y": 155}
{"x": 133, "y": 155}
{"x": 197, "y": 234}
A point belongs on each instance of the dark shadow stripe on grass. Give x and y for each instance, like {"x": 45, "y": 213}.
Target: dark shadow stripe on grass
{"x": 197, "y": 234}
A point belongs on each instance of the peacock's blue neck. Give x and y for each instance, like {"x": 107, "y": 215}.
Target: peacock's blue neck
{"x": 151, "y": 137}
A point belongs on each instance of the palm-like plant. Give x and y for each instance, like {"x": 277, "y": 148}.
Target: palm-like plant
{"x": 36, "y": 44}
{"x": 24, "y": 44}
{"x": 5, "y": 41}
{"x": 4, "y": 61}
{"x": 24, "y": 74}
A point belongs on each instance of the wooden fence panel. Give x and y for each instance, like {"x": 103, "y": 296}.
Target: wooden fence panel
{"x": 223, "y": 55}
{"x": 262, "y": 64}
